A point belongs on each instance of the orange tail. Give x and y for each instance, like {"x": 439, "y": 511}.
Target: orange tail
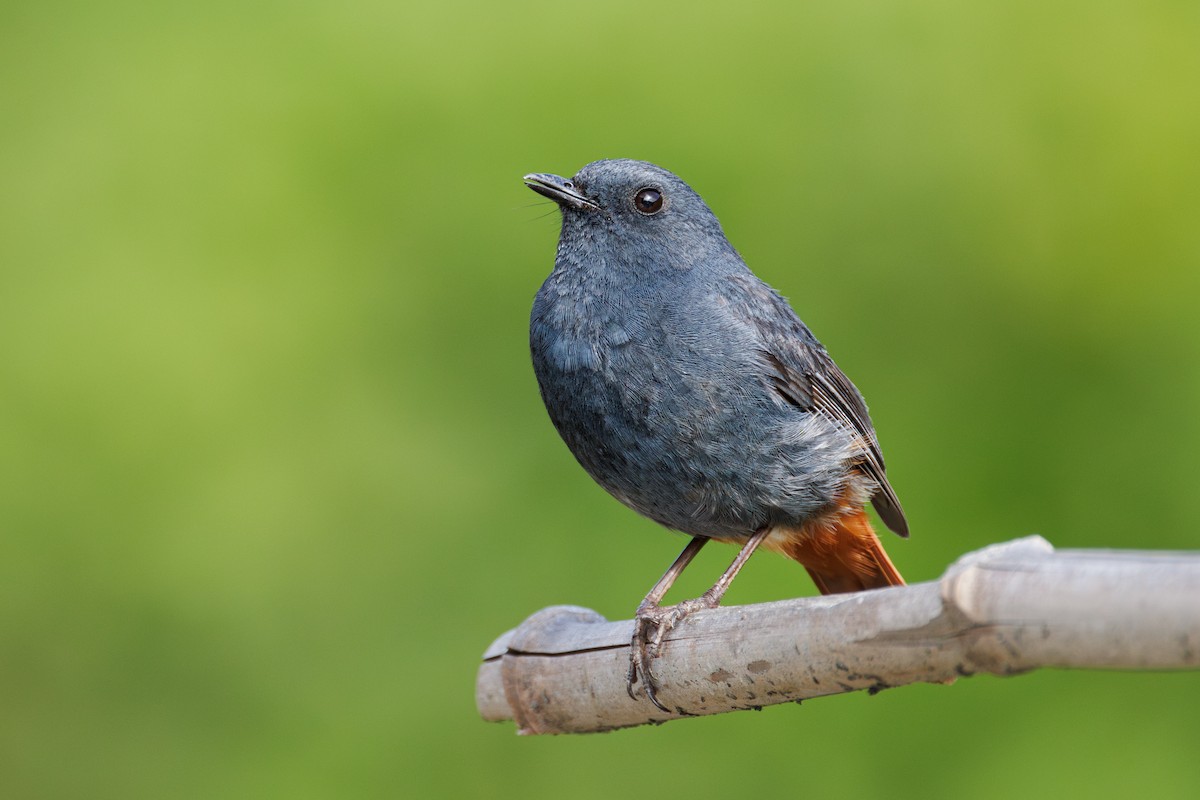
{"x": 841, "y": 553}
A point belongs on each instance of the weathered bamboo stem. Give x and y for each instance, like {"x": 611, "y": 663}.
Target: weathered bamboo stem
{"x": 1003, "y": 610}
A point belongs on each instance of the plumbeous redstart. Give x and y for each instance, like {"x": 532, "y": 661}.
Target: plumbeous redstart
{"x": 691, "y": 391}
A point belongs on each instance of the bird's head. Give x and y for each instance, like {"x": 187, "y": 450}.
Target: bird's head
{"x": 632, "y": 212}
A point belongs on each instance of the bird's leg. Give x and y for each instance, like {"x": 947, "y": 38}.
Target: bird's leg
{"x": 651, "y": 615}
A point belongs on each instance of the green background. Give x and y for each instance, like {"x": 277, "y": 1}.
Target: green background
{"x": 273, "y": 467}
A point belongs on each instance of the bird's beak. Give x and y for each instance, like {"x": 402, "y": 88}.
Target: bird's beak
{"x": 559, "y": 189}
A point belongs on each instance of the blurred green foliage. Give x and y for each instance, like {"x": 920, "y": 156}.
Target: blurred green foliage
{"x": 273, "y": 468}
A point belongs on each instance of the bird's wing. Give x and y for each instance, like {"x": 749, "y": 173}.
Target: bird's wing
{"x": 803, "y": 373}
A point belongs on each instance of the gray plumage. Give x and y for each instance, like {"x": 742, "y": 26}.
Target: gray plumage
{"x": 683, "y": 384}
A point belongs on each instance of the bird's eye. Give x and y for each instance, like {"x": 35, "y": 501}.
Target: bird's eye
{"x": 648, "y": 201}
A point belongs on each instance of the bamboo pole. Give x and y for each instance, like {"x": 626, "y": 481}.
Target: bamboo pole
{"x": 1003, "y": 610}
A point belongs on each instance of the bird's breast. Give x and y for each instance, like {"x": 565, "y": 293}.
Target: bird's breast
{"x": 665, "y": 403}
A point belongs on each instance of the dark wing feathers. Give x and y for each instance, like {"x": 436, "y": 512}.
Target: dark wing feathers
{"x": 805, "y": 376}
{"x": 834, "y": 396}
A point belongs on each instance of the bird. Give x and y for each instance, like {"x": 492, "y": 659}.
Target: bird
{"x": 692, "y": 392}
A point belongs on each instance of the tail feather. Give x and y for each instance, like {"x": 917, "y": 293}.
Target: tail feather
{"x": 842, "y": 553}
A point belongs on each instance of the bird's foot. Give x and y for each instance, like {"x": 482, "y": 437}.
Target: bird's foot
{"x": 651, "y": 625}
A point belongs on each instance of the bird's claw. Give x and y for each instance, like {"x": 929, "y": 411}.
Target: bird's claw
{"x": 644, "y": 647}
